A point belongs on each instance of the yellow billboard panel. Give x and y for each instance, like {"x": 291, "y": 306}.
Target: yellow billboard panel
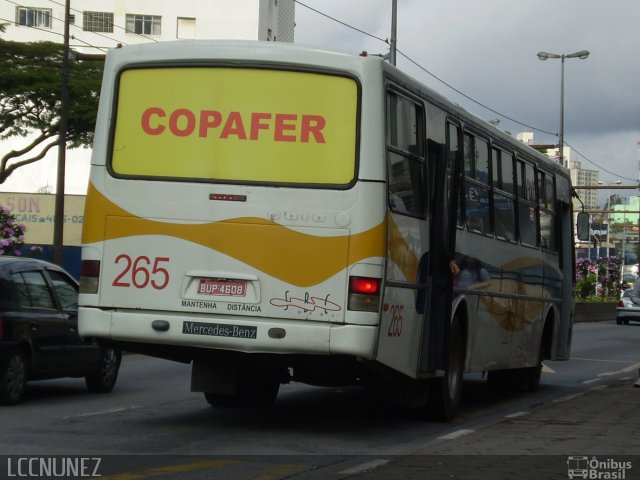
{"x": 37, "y": 212}
{"x": 236, "y": 124}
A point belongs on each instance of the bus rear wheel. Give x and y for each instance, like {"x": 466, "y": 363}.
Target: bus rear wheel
{"x": 445, "y": 393}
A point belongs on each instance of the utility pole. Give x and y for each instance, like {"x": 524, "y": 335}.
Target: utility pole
{"x": 58, "y": 222}
{"x": 394, "y": 29}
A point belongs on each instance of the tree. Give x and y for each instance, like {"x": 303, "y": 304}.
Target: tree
{"x": 30, "y": 106}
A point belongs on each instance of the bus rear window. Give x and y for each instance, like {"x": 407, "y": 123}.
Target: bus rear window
{"x": 235, "y": 125}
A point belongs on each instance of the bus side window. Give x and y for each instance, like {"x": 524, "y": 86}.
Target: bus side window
{"x": 505, "y": 217}
{"x": 548, "y": 231}
{"x": 527, "y": 204}
{"x": 405, "y": 153}
{"x": 546, "y": 195}
{"x": 477, "y": 208}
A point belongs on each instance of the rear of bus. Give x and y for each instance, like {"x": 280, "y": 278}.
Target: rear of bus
{"x": 231, "y": 217}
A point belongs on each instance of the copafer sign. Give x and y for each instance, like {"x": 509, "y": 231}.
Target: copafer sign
{"x": 236, "y": 124}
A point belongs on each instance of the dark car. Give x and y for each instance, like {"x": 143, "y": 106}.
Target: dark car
{"x": 39, "y": 331}
{"x": 627, "y": 311}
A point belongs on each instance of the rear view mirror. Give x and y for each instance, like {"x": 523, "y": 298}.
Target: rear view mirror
{"x": 583, "y": 227}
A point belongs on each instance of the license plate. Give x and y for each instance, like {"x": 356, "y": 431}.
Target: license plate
{"x": 222, "y": 287}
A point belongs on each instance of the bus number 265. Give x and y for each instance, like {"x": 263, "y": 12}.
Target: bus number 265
{"x": 141, "y": 272}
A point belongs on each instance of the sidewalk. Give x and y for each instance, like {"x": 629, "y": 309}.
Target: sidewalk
{"x": 603, "y": 422}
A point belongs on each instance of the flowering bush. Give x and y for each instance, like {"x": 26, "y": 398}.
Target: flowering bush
{"x": 11, "y": 233}
{"x": 601, "y": 277}
{"x": 584, "y": 268}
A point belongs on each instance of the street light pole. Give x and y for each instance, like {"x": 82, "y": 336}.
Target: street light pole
{"x": 394, "y": 29}
{"x": 582, "y": 54}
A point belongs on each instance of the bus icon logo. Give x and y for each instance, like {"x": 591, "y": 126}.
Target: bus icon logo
{"x": 578, "y": 467}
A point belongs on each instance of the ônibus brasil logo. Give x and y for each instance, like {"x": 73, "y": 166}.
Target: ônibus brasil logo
{"x": 597, "y": 469}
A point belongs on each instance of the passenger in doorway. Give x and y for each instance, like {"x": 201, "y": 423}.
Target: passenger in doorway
{"x": 472, "y": 273}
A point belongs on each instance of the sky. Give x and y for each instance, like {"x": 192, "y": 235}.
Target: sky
{"x": 487, "y": 49}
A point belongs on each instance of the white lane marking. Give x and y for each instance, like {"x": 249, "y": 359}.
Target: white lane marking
{"x": 547, "y": 369}
{"x": 364, "y": 467}
{"x": 602, "y": 360}
{"x": 579, "y": 394}
{"x": 569, "y": 397}
{"x": 456, "y": 434}
{"x": 101, "y": 412}
{"x": 593, "y": 380}
{"x": 629, "y": 369}
{"x": 517, "y": 414}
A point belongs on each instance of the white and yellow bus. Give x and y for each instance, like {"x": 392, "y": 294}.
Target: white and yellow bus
{"x": 272, "y": 213}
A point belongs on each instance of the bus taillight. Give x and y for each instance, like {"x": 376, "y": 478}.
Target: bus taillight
{"x": 364, "y": 294}
{"x": 89, "y": 276}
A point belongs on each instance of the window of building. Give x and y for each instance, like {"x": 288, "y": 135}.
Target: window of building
{"x": 33, "y": 17}
{"x": 97, "y": 22}
{"x": 144, "y": 24}
{"x": 186, "y": 28}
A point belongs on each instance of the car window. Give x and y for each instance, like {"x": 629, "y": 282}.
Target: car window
{"x": 32, "y": 290}
{"x": 627, "y": 293}
{"x": 66, "y": 290}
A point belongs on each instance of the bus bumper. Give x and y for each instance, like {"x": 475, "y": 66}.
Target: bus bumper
{"x": 242, "y": 334}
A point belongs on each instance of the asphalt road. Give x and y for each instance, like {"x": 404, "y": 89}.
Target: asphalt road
{"x": 152, "y": 413}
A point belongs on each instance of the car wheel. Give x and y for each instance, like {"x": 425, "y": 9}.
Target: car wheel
{"x": 13, "y": 378}
{"x": 618, "y": 321}
{"x": 104, "y": 378}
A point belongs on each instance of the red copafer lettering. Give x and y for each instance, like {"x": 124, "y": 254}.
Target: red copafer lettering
{"x": 279, "y": 127}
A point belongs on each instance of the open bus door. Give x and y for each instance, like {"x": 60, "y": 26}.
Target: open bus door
{"x": 442, "y": 214}
{"x": 443, "y": 346}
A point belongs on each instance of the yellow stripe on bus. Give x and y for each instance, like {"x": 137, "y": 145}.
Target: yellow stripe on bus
{"x": 293, "y": 257}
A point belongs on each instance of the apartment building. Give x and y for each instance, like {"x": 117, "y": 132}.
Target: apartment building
{"x": 584, "y": 177}
{"x": 95, "y": 26}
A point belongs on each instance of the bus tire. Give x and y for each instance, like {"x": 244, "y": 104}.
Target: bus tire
{"x": 221, "y": 399}
{"x": 258, "y": 389}
{"x": 445, "y": 393}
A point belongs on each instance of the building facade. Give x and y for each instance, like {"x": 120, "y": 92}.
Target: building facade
{"x": 95, "y": 26}
{"x": 584, "y": 177}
